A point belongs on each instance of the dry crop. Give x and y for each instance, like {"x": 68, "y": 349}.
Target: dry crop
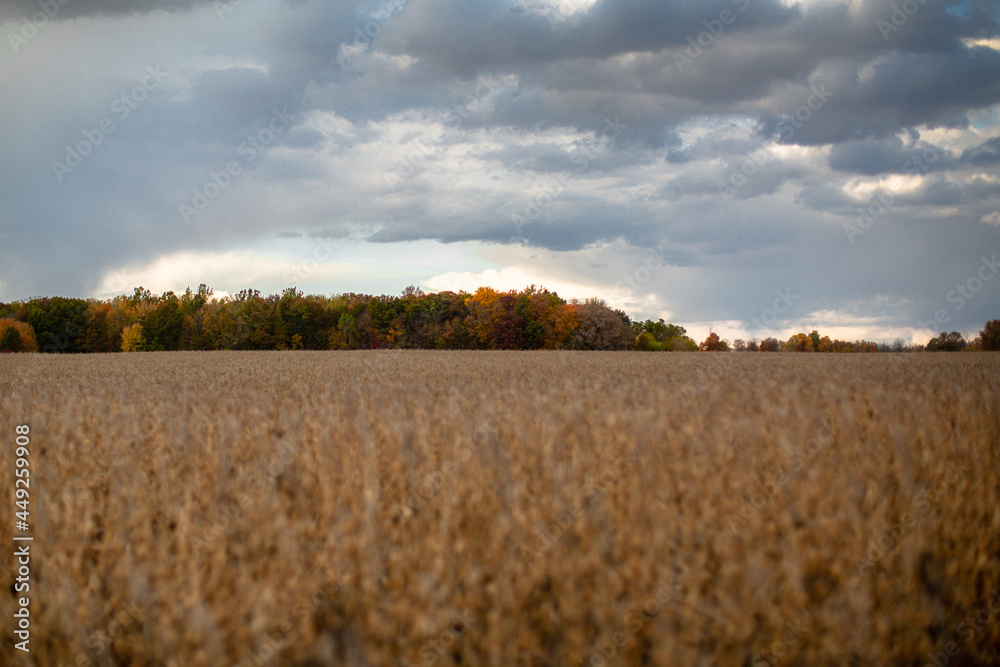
{"x": 490, "y": 508}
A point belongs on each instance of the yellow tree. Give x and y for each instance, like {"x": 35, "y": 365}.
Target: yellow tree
{"x": 800, "y": 342}
{"x": 481, "y": 316}
{"x": 132, "y": 339}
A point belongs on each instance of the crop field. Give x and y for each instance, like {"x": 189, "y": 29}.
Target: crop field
{"x": 505, "y": 508}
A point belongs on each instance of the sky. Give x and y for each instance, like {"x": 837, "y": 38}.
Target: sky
{"x": 753, "y": 167}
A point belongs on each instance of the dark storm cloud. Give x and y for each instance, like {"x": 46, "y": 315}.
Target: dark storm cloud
{"x": 902, "y": 91}
{"x": 799, "y": 105}
{"x": 69, "y": 9}
{"x": 544, "y": 158}
{"x": 464, "y": 38}
{"x": 889, "y": 156}
{"x": 933, "y": 192}
{"x": 986, "y": 154}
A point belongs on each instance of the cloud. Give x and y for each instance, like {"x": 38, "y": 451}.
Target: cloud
{"x": 70, "y": 9}
{"x": 743, "y": 136}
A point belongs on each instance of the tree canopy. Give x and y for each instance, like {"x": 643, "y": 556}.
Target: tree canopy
{"x": 530, "y": 319}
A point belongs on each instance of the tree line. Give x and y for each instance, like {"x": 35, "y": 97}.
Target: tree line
{"x": 530, "y": 319}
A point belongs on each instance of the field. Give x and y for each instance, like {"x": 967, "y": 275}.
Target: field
{"x": 481, "y": 508}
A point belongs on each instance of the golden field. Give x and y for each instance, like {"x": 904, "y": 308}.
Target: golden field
{"x": 506, "y": 508}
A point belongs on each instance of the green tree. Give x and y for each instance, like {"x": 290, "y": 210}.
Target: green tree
{"x": 163, "y": 325}
{"x": 10, "y": 341}
{"x": 58, "y": 323}
{"x": 815, "y": 338}
{"x": 946, "y": 342}
{"x": 348, "y": 326}
{"x": 645, "y": 342}
{"x": 660, "y": 335}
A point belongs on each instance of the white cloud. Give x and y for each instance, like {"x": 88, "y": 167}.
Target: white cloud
{"x": 315, "y": 265}
{"x": 556, "y": 11}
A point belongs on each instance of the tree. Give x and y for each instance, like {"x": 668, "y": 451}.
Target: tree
{"x": 946, "y": 342}
{"x": 103, "y": 323}
{"x": 645, "y": 342}
{"x": 16, "y": 336}
{"x": 10, "y": 341}
{"x": 132, "y": 338}
{"x": 662, "y": 336}
{"x": 800, "y": 342}
{"x": 713, "y": 344}
{"x": 989, "y": 337}
{"x": 770, "y": 345}
{"x": 58, "y": 323}
{"x": 601, "y": 328}
{"x": 347, "y": 328}
{"x": 411, "y": 291}
{"x": 162, "y": 326}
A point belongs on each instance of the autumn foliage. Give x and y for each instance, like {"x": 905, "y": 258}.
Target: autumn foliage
{"x": 488, "y": 319}
{"x": 532, "y": 319}
{"x": 16, "y": 336}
